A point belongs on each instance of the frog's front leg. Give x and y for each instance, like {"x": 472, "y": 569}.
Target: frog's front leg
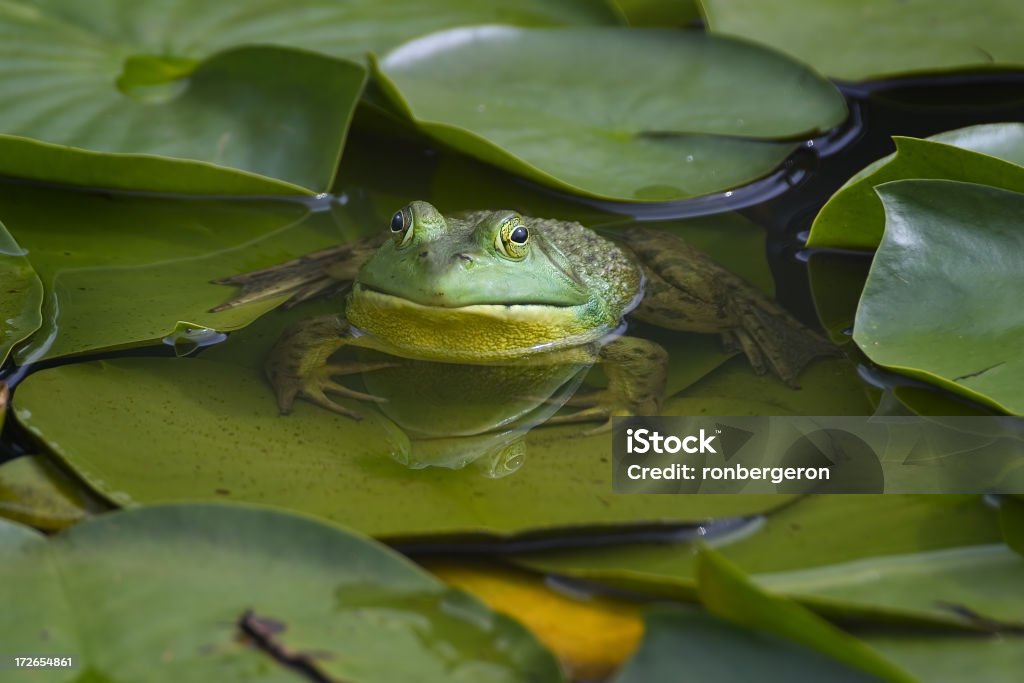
{"x": 636, "y": 370}
{"x": 318, "y": 274}
{"x": 298, "y": 366}
{"x": 686, "y": 290}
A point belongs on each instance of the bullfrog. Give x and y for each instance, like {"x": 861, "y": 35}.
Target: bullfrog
{"x": 500, "y": 287}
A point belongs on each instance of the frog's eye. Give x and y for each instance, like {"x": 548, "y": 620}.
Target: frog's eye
{"x": 401, "y": 226}
{"x": 513, "y": 239}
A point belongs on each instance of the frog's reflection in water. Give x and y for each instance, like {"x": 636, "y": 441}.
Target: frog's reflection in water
{"x": 459, "y": 416}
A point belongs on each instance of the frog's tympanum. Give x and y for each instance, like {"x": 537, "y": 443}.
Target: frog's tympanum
{"x": 497, "y": 287}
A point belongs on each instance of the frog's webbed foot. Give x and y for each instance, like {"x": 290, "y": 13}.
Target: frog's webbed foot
{"x": 316, "y": 386}
{"x": 636, "y": 370}
{"x": 318, "y": 274}
{"x": 298, "y": 367}
{"x": 771, "y": 339}
{"x": 688, "y": 291}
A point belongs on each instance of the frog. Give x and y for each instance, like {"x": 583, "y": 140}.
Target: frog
{"x": 497, "y": 286}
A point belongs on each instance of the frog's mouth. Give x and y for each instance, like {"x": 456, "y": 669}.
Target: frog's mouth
{"x": 394, "y": 300}
{"x": 470, "y": 332}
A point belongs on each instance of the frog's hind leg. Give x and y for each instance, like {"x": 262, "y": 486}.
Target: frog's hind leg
{"x": 636, "y": 370}
{"x": 318, "y": 274}
{"x": 298, "y": 365}
{"x": 688, "y": 291}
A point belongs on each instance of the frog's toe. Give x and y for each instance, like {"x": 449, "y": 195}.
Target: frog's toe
{"x": 329, "y": 385}
{"x": 596, "y": 412}
{"x": 603, "y": 428}
{"x": 600, "y": 405}
{"x": 286, "y": 398}
{"x": 320, "y": 398}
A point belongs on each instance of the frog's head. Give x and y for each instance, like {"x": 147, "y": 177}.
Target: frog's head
{"x": 486, "y": 257}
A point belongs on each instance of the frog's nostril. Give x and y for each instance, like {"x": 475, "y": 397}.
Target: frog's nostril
{"x": 424, "y": 254}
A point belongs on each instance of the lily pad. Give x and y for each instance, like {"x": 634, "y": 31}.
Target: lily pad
{"x": 710, "y": 649}
{"x": 1012, "y": 517}
{"x": 241, "y": 592}
{"x": 729, "y": 595}
{"x": 875, "y": 39}
{"x": 674, "y": 13}
{"x": 836, "y": 281}
{"x": 194, "y": 97}
{"x": 941, "y": 302}
{"x": 818, "y": 532}
{"x": 144, "y": 430}
{"x": 124, "y": 270}
{"x": 35, "y": 492}
{"x": 990, "y": 154}
{"x": 952, "y": 659}
{"x": 977, "y": 584}
{"x": 828, "y": 387}
{"x": 566, "y": 108}
{"x": 90, "y": 112}
{"x": 22, "y": 295}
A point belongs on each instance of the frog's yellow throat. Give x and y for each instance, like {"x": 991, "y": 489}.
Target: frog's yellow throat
{"x": 479, "y": 332}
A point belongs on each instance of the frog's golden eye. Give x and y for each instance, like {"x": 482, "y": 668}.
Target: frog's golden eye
{"x": 401, "y": 226}
{"x": 513, "y": 239}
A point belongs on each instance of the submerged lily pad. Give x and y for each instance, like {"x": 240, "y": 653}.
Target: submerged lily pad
{"x": 569, "y": 108}
{"x": 198, "y": 97}
{"x": 942, "y": 300}
{"x": 990, "y": 154}
{"x": 237, "y": 590}
{"x": 870, "y": 39}
{"x": 143, "y": 430}
{"x": 126, "y": 270}
{"x": 21, "y": 295}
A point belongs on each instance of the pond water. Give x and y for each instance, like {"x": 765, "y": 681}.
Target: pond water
{"x": 755, "y": 231}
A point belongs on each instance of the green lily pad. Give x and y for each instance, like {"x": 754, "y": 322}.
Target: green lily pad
{"x": 878, "y": 38}
{"x": 978, "y": 584}
{"x": 233, "y": 97}
{"x": 952, "y": 659}
{"x": 729, "y": 595}
{"x": 232, "y": 587}
{"x": 818, "y": 532}
{"x": 828, "y": 387}
{"x": 566, "y": 108}
{"x": 1011, "y": 512}
{"x": 93, "y": 111}
{"x": 836, "y": 281}
{"x": 35, "y": 492}
{"x": 208, "y": 429}
{"x": 990, "y": 154}
{"x": 940, "y": 302}
{"x": 127, "y": 270}
{"x": 710, "y": 649}
{"x": 22, "y": 295}
{"x": 673, "y": 13}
